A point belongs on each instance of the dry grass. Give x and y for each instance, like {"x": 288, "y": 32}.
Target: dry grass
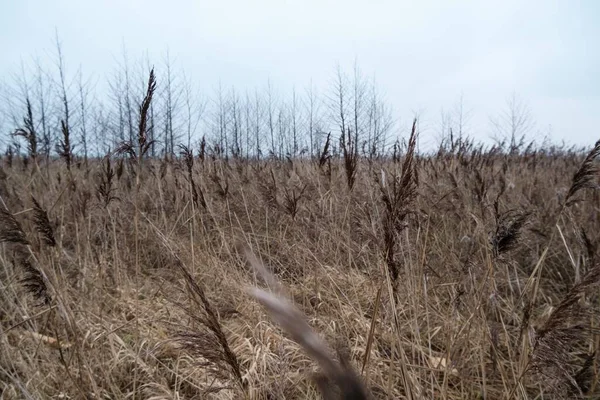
{"x": 470, "y": 274}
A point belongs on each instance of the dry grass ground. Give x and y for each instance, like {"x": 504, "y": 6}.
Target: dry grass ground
{"x": 467, "y": 275}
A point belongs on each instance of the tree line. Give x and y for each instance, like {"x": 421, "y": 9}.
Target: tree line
{"x": 48, "y": 110}
{"x": 51, "y": 110}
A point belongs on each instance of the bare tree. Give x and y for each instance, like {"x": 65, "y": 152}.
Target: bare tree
{"x": 513, "y": 123}
{"x": 462, "y": 117}
{"x": 127, "y": 95}
{"x": 3, "y": 120}
{"x": 64, "y": 146}
{"x": 42, "y": 92}
{"x": 295, "y": 121}
{"x": 117, "y": 115}
{"x": 444, "y": 130}
{"x": 15, "y": 97}
{"x": 220, "y": 120}
{"x": 313, "y": 110}
{"x": 100, "y": 127}
{"x": 454, "y": 125}
{"x": 257, "y": 125}
{"x": 18, "y": 113}
{"x": 359, "y": 94}
{"x": 358, "y": 110}
{"x": 282, "y": 129}
{"x": 380, "y": 123}
{"x": 83, "y": 89}
{"x": 248, "y": 124}
{"x": 172, "y": 94}
{"x": 271, "y": 117}
{"x": 236, "y": 123}
{"x": 194, "y": 106}
{"x": 348, "y": 140}
{"x": 338, "y": 100}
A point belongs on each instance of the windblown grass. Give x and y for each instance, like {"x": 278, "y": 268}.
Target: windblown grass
{"x": 468, "y": 274}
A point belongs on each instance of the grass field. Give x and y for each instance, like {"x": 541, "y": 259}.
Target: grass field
{"x": 463, "y": 275}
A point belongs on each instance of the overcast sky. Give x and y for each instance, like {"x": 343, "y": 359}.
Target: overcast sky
{"x": 423, "y": 54}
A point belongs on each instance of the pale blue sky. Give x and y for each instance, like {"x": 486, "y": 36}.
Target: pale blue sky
{"x": 423, "y": 54}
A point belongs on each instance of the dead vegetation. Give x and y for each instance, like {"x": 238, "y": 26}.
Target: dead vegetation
{"x": 457, "y": 284}
{"x": 466, "y": 274}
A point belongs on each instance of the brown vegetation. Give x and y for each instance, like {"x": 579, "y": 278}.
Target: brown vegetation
{"x": 468, "y": 274}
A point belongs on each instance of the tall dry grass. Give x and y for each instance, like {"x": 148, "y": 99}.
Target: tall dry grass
{"x": 467, "y": 274}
